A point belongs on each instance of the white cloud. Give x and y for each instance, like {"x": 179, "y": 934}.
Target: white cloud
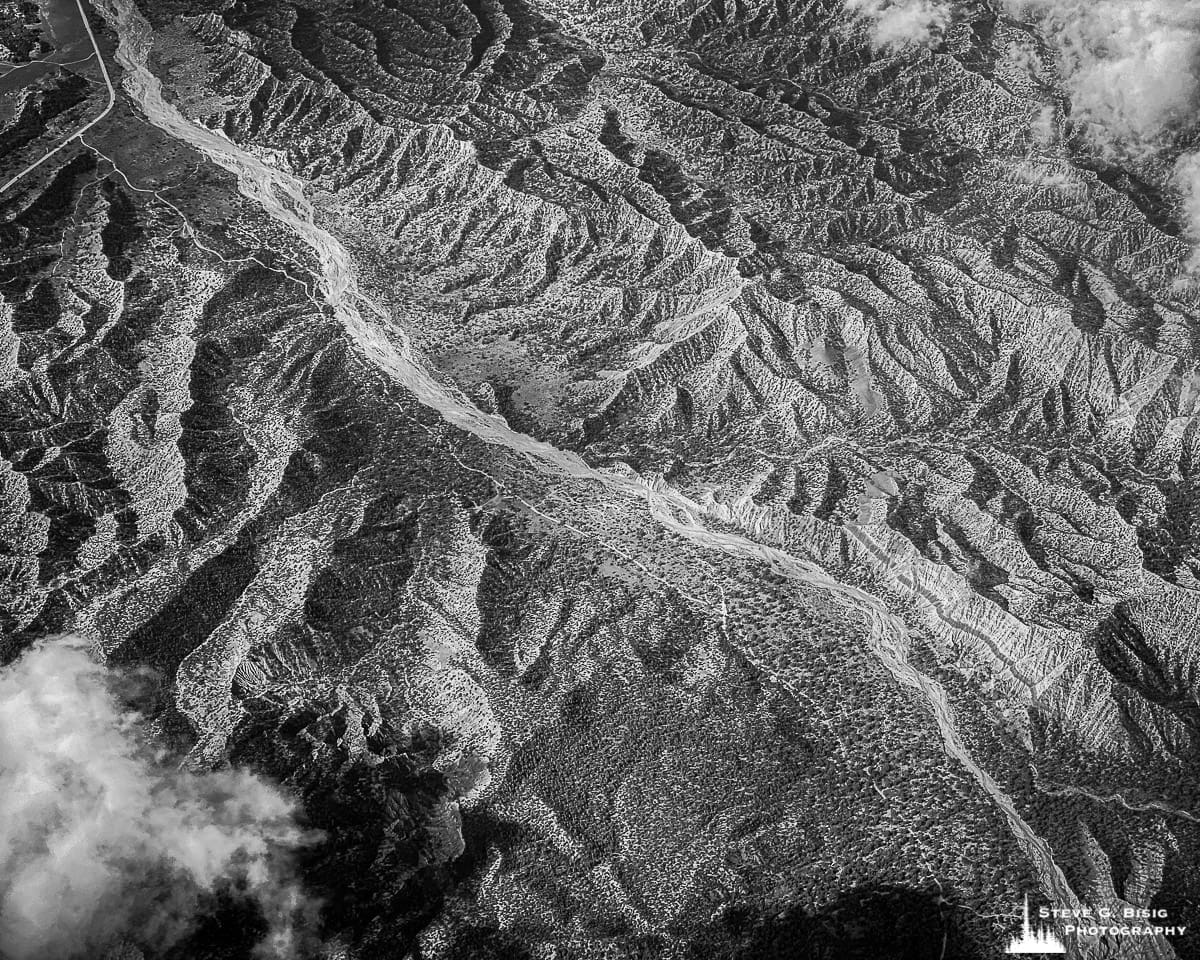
{"x": 899, "y": 23}
{"x": 1129, "y": 65}
{"x": 103, "y": 842}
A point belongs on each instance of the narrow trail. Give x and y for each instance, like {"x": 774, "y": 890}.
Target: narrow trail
{"x": 383, "y": 342}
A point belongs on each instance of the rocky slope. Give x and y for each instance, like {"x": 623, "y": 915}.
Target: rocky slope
{"x": 662, "y": 481}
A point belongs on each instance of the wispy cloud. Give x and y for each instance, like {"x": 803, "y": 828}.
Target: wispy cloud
{"x": 102, "y": 842}
{"x": 1186, "y": 179}
{"x": 901, "y": 23}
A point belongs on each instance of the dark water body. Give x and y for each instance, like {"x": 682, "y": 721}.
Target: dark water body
{"x": 63, "y": 27}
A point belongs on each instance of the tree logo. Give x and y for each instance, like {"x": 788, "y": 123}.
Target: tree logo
{"x": 1036, "y": 940}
